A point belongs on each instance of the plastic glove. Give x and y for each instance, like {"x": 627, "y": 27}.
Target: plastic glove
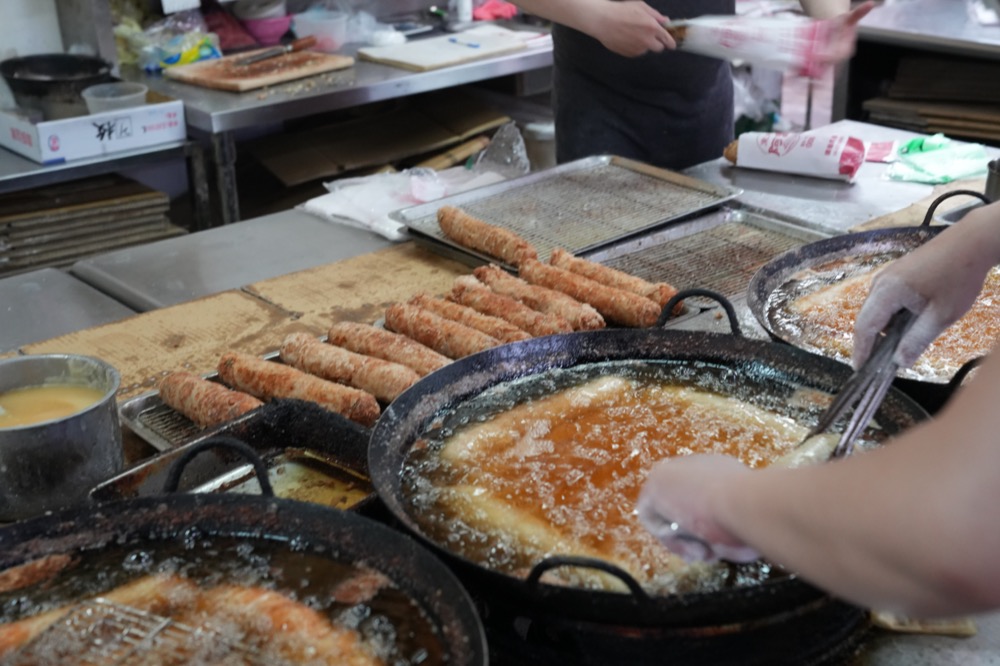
{"x": 675, "y": 505}
{"x": 843, "y": 35}
{"x": 938, "y": 282}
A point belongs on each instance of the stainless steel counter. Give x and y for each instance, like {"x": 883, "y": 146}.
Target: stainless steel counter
{"x": 48, "y": 303}
{"x": 217, "y": 111}
{"x": 936, "y": 25}
{"x": 901, "y": 27}
{"x": 220, "y": 113}
{"x": 188, "y": 267}
{"x": 829, "y": 206}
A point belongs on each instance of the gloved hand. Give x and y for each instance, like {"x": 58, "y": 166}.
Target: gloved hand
{"x": 675, "y": 505}
{"x": 843, "y": 35}
{"x": 938, "y": 282}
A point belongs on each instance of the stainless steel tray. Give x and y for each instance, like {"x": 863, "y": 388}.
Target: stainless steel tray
{"x": 720, "y": 250}
{"x": 159, "y": 425}
{"x": 579, "y": 206}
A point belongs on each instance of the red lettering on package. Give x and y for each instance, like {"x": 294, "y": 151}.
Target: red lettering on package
{"x": 21, "y": 136}
{"x": 777, "y": 144}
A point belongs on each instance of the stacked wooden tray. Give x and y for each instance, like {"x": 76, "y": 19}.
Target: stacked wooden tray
{"x": 57, "y": 225}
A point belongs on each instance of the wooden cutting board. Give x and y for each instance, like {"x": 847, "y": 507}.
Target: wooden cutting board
{"x": 225, "y": 74}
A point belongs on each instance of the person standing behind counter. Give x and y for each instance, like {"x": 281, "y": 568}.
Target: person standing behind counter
{"x": 616, "y": 93}
{"x": 908, "y": 527}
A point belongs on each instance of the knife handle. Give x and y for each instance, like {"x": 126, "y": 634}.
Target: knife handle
{"x": 301, "y": 44}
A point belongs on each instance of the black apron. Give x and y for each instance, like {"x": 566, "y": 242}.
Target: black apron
{"x": 669, "y": 109}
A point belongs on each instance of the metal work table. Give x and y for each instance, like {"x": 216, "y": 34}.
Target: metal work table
{"x": 829, "y": 206}
{"x": 48, "y": 303}
{"x": 220, "y": 113}
{"x": 942, "y": 27}
{"x": 187, "y": 267}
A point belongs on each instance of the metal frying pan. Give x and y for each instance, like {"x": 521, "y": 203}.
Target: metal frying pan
{"x": 860, "y": 251}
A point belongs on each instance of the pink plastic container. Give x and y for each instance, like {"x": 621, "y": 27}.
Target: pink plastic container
{"x": 268, "y": 31}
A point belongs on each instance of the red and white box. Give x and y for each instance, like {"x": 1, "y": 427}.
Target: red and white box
{"x": 56, "y": 141}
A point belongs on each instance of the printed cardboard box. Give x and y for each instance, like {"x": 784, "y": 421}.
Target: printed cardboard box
{"x": 55, "y": 141}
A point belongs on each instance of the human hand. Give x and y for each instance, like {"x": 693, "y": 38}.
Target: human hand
{"x": 675, "y": 504}
{"x": 938, "y": 282}
{"x": 631, "y": 28}
{"x": 843, "y": 35}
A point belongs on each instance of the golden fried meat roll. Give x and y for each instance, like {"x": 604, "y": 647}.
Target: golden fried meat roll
{"x": 204, "y": 402}
{"x": 447, "y": 337}
{"x": 383, "y": 379}
{"x": 473, "y": 233}
{"x": 495, "y": 327}
{"x": 389, "y": 346}
{"x": 469, "y": 291}
{"x": 581, "y": 316}
{"x": 617, "y": 305}
{"x": 659, "y": 292}
{"x": 267, "y": 379}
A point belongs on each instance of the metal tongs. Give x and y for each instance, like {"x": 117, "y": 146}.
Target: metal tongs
{"x": 865, "y": 389}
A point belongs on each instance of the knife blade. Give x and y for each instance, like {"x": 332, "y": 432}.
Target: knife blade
{"x": 297, "y": 45}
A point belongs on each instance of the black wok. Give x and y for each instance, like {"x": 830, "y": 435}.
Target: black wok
{"x": 765, "y": 363}
{"x": 264, "y": 522}
{"x": 931, "y": 393}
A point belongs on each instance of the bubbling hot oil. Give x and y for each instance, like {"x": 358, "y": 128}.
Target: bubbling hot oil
{"x": 554, "y": 464}
{"x": 393, "y": 626}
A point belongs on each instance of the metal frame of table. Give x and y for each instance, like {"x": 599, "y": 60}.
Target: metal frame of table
{"x": 219, "y": 114}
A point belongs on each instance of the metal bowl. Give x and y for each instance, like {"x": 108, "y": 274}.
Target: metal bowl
{"x": 53, "y": 464}
{"x": 51, "y": 83}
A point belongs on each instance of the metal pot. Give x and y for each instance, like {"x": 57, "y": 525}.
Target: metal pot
{"x": 781, "y": 606}
{"x": 261, "y": 524}
{"x": 931, "y": 393}
{"x": 51, "y": 84}
{"x": 53, "y": 464}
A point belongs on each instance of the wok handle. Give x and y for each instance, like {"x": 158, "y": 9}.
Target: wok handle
{"x": 734, "y": 321}
{"x": 220, "y": 442}
{"x": 557, "y": 561}
{"x": 947, "y": 195}
{"x": 963, "y": 372}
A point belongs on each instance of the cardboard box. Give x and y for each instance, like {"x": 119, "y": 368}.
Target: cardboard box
{"x": 55, "y": 141}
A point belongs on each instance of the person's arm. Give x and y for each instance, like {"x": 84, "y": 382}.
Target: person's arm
{"x": 629, "y": 28}
{"x": 938, "y": 281}
{"x": 910, "y": 527}
{"x": 824, "y": 9}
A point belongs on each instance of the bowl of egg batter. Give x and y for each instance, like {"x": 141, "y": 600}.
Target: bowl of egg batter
{"x": 59, "y": 431}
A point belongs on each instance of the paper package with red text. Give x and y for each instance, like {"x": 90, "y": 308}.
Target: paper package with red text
{"x": 788, "y": 43}
{"x": 835, "y": 156}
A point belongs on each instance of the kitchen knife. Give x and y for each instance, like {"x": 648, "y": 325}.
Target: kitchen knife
{"x": 297, "y": 45}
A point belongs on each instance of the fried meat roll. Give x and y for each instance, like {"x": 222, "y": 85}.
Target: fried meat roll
{"x": 204, "y": 402}
{"x": 383, "y": 379}
{"x": 266, "y": 379}
{"x": 581, "y": 316}
{"x": 618, "y": 305}
{"x": 469, "y": 291}
{"x": 660, "y": 292}
{"x": 447, "y": 337}
{"x": 473, "y": 233}
{"x": 386, "y": 345}
{"x": 502, "y": 330}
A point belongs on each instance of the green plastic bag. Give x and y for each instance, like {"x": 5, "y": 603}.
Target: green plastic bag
{"x": 939, "y": 161}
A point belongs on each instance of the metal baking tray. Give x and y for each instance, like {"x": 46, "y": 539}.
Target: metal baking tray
{"x": 578, "y": 206}
{"x": 720, "y": 250}
{"x": 159, "y": 425}
{"x": 310, "y": 452}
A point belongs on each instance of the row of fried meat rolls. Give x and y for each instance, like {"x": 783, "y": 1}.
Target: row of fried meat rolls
{"x": 362, "y": 365}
